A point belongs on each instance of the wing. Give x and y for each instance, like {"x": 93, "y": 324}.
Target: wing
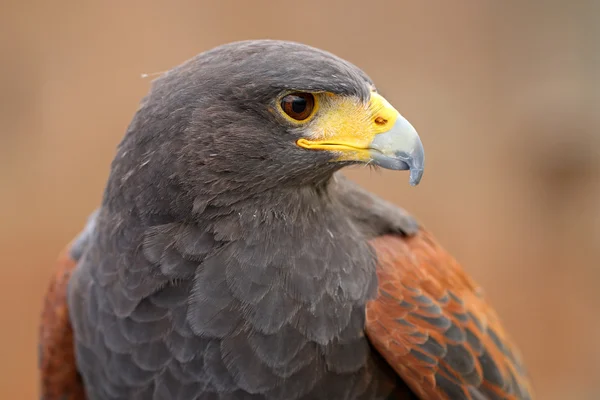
{"x": 433, "y": 326}
{"x": 59, "y": 377}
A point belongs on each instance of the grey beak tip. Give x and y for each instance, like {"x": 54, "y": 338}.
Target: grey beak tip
{"x": 415, "y": 176}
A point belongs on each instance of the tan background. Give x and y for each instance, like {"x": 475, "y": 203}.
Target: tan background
{"x": 504, "y": 94}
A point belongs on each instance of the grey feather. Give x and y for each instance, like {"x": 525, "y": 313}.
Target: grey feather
{"x": 283, "y": 348}
{"x": 226, "y": 263}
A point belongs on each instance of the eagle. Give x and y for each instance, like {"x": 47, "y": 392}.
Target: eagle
{"x": 230, "y": 259}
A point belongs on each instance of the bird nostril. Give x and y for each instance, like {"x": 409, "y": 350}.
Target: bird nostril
{"x": 380, "y": 121}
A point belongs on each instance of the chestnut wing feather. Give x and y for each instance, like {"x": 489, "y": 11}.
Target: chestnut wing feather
{"x": 59, "y": 377}
{"x": 434, "y": 327}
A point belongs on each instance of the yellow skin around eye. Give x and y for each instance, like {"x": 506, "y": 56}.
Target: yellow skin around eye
{"x": 347, "y": 125}
{"x": 305, "y": 120}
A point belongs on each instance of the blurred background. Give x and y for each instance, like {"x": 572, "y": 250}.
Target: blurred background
{"x": 504, "y": 94}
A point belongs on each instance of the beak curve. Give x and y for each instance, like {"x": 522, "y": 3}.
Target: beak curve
{"x": 376, "y": 134}
{"x": 399, "y": 148}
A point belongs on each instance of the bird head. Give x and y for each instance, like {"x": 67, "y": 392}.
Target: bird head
{"x": 252, "y": 115}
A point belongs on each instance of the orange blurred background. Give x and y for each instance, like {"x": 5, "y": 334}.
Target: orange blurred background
{"x": 504, "y": 94}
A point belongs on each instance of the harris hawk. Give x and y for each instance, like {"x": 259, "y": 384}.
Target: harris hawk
{"x": 230, "y": 259}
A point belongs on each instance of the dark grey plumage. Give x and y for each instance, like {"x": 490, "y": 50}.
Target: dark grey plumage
{"x": 225, "y": 262}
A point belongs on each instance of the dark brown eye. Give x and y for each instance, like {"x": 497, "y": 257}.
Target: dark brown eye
{"x": 298, "y": 106}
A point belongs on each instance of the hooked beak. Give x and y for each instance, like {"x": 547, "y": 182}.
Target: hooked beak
{"x": 400, "y": 148}
{"x": 373, "y": 134}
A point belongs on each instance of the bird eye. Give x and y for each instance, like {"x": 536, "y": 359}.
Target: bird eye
{"x": 298, "y": 106}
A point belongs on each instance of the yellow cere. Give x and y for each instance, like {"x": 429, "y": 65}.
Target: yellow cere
{"x": 347, "y": 125}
